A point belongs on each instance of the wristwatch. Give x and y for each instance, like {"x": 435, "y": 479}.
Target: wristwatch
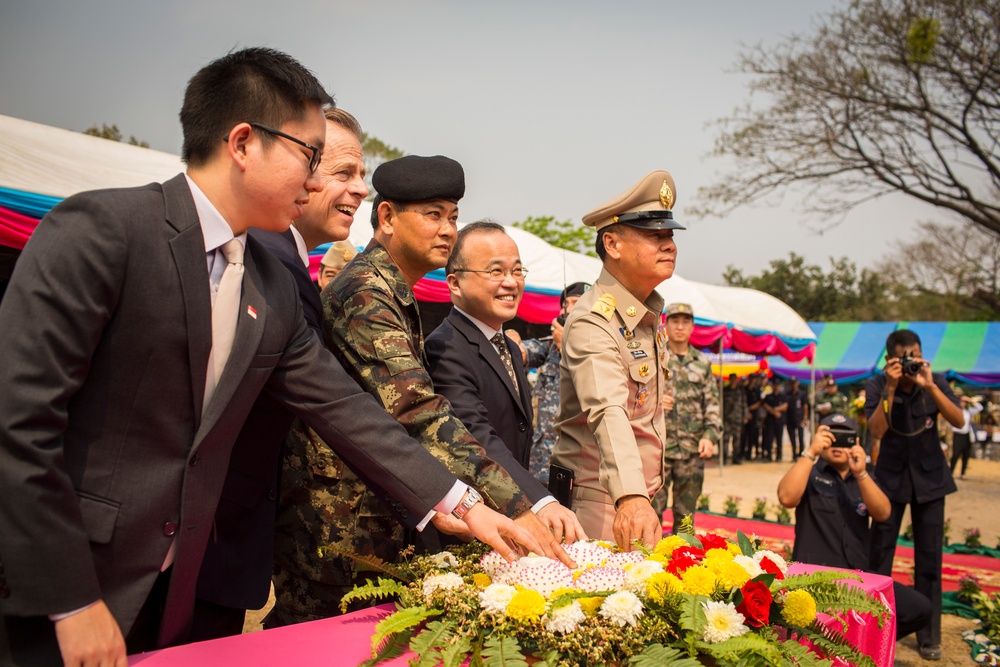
{"x": 809, "y": 455}
{"x": 470, "y": 498}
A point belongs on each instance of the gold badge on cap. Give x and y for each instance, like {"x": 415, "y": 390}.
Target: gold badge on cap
{"x": 631, "y": 311}
{"x": 666, "y": 195}
{"x": 644, "y": 370}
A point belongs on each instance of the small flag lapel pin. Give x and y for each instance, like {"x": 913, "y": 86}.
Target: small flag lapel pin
{"x": 252, "y": 312}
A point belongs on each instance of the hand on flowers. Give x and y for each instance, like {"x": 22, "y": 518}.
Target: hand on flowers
{"x": 549, "y": 544}
{"x": 635, "y": 519}
{"x": 449, "y": 525}
{"x": 91, "y": 638}
{"x": 500, "y": 532}
{"x": 562, "y": 522}
{"x": 706, "y": 449}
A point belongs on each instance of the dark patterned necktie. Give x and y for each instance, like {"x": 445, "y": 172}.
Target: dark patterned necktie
{"x": 500, "y": 342}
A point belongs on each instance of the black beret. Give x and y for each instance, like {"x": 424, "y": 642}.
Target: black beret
{"x": 839, "y": 422}
{"x": 418, "y": 178}
{"x": 576, "y": 289}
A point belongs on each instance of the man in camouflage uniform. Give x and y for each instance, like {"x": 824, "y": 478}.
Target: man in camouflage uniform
{"x": 610, "y": 421}
{"x": 372, "y": 324}
{"x": 735, "y": 414}
{"x": 545, "y": 355}
{"x": 694, "y": 424}
{"x": 831, "y": 401}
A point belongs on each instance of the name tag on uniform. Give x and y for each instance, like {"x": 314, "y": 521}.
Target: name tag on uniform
{"x": 639, "y": 354}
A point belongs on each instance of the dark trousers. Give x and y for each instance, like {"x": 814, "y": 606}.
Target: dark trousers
{"x": 961, "y": 447}
{"x": 795, "y": 437}
{"x": 928, "y": 542}
{"x": 772, "y": 434}
{"x": 214, "y": 621}
{"x": 750, "y": 442}
{"x": 913, "y": 610}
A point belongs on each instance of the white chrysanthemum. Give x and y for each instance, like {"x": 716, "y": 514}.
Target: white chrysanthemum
{"x": 565, "y": 619}
{"x": 444, "y": 560}
{"x": 601, "y": 579}
{"x": 637, "y": 575}
{"x": 775, "y": 558}
{"x": 542, "y": 574}
{"x": 442, "y": 582}
{"x": 623, "y": 608}
{"x": 624, "y": 558}
{"x": 495, "y": 597}
{"x": 491, "y": 563}
{"x": 722, "y": 622}
{"x": 587, "y": 554}
{"x": 750, "y": 565}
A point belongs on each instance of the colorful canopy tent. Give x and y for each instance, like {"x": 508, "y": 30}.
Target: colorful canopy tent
{"x": 41, "y": 165}
{"x": 968, "y": 352}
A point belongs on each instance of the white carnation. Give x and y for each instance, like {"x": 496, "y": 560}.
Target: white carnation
{"x": 750, "y": 565}
{"x": 565, "y": 619}
{"x": 444, "y": 560}
{"x": 637, "y": 575}
{"x": 722, "y": 622}
{"x": 442, "y": 582}
{"x": 495, "y": 597}
{"x": 775, "y": 558}
{"x": 623, "y": 608}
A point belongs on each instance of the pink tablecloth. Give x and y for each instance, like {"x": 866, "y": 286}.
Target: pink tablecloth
{"x": 346, "y": 640}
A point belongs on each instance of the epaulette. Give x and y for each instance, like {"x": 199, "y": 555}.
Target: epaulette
{"x": 605, "y": 306}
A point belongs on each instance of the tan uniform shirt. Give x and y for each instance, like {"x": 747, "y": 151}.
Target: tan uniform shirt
{"x": 610, "y": 424}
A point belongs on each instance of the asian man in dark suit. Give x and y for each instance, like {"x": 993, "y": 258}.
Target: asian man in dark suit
{"x": 111, "y": 459}
{"x": 471, "y": 361}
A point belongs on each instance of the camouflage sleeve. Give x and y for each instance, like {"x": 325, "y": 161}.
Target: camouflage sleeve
{"x": 713, "y": 416}
{"x": 538, "y": 352}
{"x": 369, "y": 335}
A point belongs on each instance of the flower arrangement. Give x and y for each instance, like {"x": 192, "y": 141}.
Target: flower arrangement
{"x": 688, "y": 599}
{"x": 760, "y": 508}
{"x": 973, "y": 538}
{"x": 732, "y": 505}
{"x": 703, "y": 502}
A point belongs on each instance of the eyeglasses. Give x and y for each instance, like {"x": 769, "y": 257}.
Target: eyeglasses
{"x": 497, "y": 274}
{"x": 316, "y": 153}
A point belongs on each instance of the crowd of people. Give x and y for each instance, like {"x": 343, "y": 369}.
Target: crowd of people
{"x": 187, "y": 420}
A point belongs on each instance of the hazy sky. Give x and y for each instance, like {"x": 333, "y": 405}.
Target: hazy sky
{"x": 551, "y": 107}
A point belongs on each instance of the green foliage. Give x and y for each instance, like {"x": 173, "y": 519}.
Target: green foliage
{"x": 404, "y": 620}
{"x": 393, "y": 647}
{"x": 372, "y": 561}
{"x": 385, "y": 588}
{"x": 988, "y": 608}
{"x": 439, "y": 645}
{"x": 692, "y": 619}
{"x": 744, "y": 647}
{"x": 112, "y": 133}
{"x": 503, "y": 652}
{"x": 835, "y": 645}
{"x": 795, "y": 653}
{"x": 746, "y": 546}
{"x": 561, "y": 233}
{"x": 921, "y": 39}
{"x": 656, "y": 655}
{"x": 835, "y": 598}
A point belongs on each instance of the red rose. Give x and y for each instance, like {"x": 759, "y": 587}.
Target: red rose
{"x": 756, "y": 605}
{"x": 769, "y": 566}
{"x": 713, "y": 541}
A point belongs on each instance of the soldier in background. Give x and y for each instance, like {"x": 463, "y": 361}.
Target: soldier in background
{"x": 545, "y": 355}
{"x": 694, "y": 425}
{"x": 336, "y": 258}
{"x": 734, "y": 412}
{"x": 751, "y": 427}
{"x": 831, "y": 401}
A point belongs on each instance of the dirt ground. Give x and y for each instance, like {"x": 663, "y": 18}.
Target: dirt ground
{"x": 973, "y": 506}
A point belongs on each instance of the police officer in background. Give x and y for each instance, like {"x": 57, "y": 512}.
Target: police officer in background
{"x": 610, "y": 422}
{"x": 694, "y": 424}
{"x": 734, "y": 416}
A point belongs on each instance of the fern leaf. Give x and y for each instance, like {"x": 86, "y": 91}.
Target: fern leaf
{"x": 385, "y": 588}
{"x": 392, "y": 647}
{"x": 403, "y": 619}
{"x": 456, "y": 653}
{"x": 371, "y": 560}
{"x": 657, "y": 655}
{"x": 818, "y": 577}
{"x": 433, "y": 639}
{"x": 797, "y": 654}
{"x": 743, "y": 646}
{"x": 505, "y": 652}
{"x": 835, "y": 645}
{"x": 692, "y": 609}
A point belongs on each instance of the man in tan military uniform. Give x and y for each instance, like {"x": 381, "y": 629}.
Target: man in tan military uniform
{"x": 336, "y": 258}
{"x": 610, "y": 422}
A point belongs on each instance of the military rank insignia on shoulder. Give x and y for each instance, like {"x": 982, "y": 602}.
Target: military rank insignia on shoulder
{"x": 605, "y": 306}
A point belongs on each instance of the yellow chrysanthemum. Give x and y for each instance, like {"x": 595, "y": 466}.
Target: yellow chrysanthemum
{"x": 659, "y": 558}
{"x": 526, "y": 605}
{"x": 732, "y": 575}
{"x": 480, "y": 580}
{"x": 698, "y": 580}
{"x": 734, "y": 549}
{"x": 799, "y": 609}
{"x": 666, "y": 546}
{"x": 715, "y": 558}
{"x": 590, "y": 605}
{"x": 662, "y": 583}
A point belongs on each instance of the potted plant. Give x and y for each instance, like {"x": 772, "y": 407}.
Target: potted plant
{"x": 908, "y": 533}
{"x": 760, "y": 508}
{"x": 973, "y": 538}
{"x": 703, "y": 502}
{"x": 784, "y": 516}
{"x": 732, "y": 505}
{"x": 945, "y": 532}
{"x": 968, "y": 587}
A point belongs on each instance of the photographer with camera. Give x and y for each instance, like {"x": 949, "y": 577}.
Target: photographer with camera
{"x": 902, "y": 408}
{"x": 834, "y": 492}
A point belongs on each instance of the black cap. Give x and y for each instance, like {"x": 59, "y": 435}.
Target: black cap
{"x": 574, "y": 289}
{"x": 839, "y": 422}
{"x": 418, "y": 178}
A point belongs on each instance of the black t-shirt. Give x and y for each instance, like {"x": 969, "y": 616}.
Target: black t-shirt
{"x": 774, "y": 400}
{"x": 831, "y": 521}
{"x": 796, "y": 399}
{"x": 753, "y": 397}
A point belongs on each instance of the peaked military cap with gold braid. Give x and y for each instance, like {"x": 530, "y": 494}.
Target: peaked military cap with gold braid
{"x": 646, "y": 205}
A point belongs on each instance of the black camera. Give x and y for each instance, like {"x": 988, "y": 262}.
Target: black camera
{"x": 843, "y": 438}
{"x": 910, "y": 365}
{"x": 561, "y": 320}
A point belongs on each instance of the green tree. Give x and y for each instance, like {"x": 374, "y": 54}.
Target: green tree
{"x": 842, "y": 294}
{"x": 375, "y": 152}
{"x": 885, "y": 96}
{"x": 561, "y": 233}
{"x": 113, "y": 133}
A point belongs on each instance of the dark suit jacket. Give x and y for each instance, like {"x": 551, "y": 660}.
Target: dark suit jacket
{"x": 467, "y": 370}
{"x": 105, "y": 454}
